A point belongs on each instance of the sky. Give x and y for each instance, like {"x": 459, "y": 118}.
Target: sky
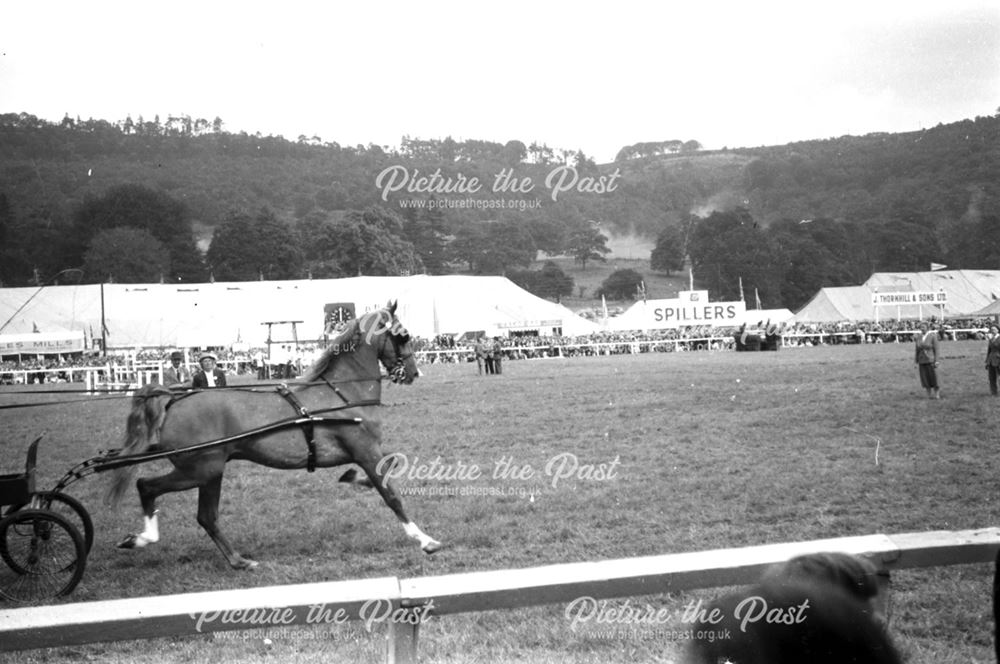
{"x": 573, "y": 75}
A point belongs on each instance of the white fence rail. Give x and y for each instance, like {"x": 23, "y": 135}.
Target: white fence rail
{"x": 182, "y": 615}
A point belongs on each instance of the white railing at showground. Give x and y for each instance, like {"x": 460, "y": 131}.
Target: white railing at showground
{"x": 403, "y": 604}
{"x": 119, "y": 376}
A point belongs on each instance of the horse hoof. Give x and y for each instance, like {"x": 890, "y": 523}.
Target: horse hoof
{"x": 133, "y": 541}
{"x": 431, "y": 547}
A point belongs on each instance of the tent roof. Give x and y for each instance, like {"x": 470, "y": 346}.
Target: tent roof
{"x": 219, "y": 314}
{"x": 834, "y": 305}
{"x": 968, "y": 290}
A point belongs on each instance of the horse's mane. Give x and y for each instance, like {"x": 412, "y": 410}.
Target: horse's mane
{"x": 345, "y": 343}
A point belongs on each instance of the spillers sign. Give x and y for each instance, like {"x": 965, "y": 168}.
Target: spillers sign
{"x": 693, "y": 308}
{"x": 336, "y": 315}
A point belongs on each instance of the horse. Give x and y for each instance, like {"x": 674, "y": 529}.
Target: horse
{"x": 826, "y": 608}
{"x": 345, "y": 382}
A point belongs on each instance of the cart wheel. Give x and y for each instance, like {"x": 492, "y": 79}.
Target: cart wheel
{"x": 66, "y": 506}
{"x": 44, "y": 553}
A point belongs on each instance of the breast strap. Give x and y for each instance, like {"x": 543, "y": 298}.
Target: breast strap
{"x": 307, "y": 427}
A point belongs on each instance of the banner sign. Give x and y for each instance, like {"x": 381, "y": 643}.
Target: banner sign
{"x": 674, "y": 313}
{"x": 42, "y": 343}
{"x": 909, "y": 298}
{"x": 679, "y": 312}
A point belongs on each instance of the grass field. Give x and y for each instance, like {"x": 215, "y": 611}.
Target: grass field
{"x": 713, "y": 450}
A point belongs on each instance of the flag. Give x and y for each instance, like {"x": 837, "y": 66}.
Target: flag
{"x": 690, "y": 279}
{"x": 741, "y": 290}
{"x": 34, "y": 328}
{"x": 937, "y": 266}
{"x": 757, "y": 298}
{"x": 604, "y": 306}
{"x": 642, "y": 290}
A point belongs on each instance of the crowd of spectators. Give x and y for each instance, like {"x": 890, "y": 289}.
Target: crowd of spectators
{"x": 446, "y": 348}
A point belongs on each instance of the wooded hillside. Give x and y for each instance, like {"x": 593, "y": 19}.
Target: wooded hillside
{"x": 67, "y": 190}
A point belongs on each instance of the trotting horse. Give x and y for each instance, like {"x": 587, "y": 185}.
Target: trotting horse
{"x": 344, "y": 382}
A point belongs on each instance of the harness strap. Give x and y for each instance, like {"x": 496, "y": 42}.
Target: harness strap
{"x": 307, "y": 426}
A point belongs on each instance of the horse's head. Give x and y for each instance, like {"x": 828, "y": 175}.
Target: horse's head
{"x": 383, "y": 331}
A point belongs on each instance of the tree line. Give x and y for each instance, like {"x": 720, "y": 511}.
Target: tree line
{"x": 790, "y": 260}
{"x": 826, "y": 212}
{"x": 136, "y": 234}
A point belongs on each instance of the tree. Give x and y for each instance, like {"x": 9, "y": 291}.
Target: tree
{"x": 140, "y": 207}
{"x": 549, "y": 235}
{"x": 805, "y": 261}
{"x": 125, "y": 255}
{"x": 426, "y": 230}
{"x": 904, "y": 245}
{"x": 514, "y": 152}
{"x": 371, "y": 242}
{"x": 507, "y": 244}
{"x": 621, "y": 285}
{"x": 549, "y": 282}
{"x": 975, "y": 243}
{"x": 588, "y": 243}
{"x": 493, "y": 247}
{"x": 729, "y": 247}
{"x": 469, "y": 245}
{"x": 246, "y": 247}
{"x": 668, "y": 253}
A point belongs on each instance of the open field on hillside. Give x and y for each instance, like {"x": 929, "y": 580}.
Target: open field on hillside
{"x": 658, "y": 285}
{"x": 713, "y": 450}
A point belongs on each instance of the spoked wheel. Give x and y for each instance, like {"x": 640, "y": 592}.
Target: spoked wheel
{"x": 44, "y": 553}
{"x": 68, "y": 507}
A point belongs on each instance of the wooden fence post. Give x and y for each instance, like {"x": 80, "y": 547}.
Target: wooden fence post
{"x": 401, "y": 642}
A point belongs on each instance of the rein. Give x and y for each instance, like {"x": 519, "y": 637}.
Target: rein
{"x": 124, "y": 393}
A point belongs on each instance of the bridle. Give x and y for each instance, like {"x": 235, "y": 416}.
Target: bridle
{"x": 397, "y": 372}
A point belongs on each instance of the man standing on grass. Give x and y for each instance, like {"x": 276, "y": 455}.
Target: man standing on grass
{"x": 480, "y": 350}
{"x": 927, "y": 359}
{"x": 497, "y": 356}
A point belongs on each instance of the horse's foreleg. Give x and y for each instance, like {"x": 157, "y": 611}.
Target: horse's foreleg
{"x": 377, "y": 476}
{"x": 151, "y": 488}
{"x": 208, "y": 517}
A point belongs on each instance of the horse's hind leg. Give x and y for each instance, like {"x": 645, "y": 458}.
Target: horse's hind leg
{"x": 208, "y": 517}
{"x": 376, "y": 472}
{"x": 151, "y": 488}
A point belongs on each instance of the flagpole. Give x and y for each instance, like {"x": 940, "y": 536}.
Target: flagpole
{"x": 104, "y": 329}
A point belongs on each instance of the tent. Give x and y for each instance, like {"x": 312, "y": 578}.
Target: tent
{"x": 991, "y": 309}
{"x": 221, "y": 314}
{"x": 835, "y": 305}
{"x": 965, "y": 293}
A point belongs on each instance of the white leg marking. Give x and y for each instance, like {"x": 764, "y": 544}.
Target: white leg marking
{"x": 427, "y": 543}
{"x": 151, "y": 532}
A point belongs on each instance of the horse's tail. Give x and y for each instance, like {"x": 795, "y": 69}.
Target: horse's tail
{"x": 142, "y": 430}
